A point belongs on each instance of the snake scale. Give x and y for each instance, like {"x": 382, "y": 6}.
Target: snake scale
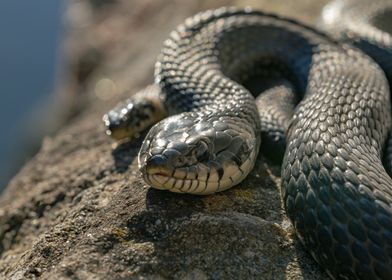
{"x": 335, "y": 188}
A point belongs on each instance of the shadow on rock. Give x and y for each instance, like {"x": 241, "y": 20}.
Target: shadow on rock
{"x": 125, "y": 153}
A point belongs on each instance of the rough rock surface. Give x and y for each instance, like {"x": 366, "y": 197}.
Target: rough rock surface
{"x": 79, "y": 209}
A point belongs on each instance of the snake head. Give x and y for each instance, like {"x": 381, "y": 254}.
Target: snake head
{"x": 129, "y": 118}
{"x": 189, "y": 154}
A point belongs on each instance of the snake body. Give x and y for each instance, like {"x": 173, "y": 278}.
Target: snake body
{"x": 335, "y": 189}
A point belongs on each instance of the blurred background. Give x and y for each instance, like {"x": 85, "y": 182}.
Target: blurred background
{"x": 31, "y": 33}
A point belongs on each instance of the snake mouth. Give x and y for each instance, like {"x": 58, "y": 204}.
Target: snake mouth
{"x": 185, "y": 180}
{"x": 197, "y": 179}
{"x": 180, "y": 185}
{"x": 159, "y": 171}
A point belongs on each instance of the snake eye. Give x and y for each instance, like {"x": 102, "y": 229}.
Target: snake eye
{"x": 201, "y": 152}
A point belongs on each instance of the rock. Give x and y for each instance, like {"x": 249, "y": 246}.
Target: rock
{"x": 79, "y": 209}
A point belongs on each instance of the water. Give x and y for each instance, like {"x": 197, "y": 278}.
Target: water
{"x": 29, "y": 49}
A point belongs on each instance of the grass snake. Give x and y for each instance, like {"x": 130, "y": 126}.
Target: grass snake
{"x": 325, "y": 109}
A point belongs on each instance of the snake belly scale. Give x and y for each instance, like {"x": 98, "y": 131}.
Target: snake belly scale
{"x": 335, "y": 189}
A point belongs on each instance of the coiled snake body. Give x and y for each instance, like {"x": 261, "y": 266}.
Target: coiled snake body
{"x": 334, "y": 186}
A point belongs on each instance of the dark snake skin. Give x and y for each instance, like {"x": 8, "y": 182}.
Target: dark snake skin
{"x": 335, "y": 189}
